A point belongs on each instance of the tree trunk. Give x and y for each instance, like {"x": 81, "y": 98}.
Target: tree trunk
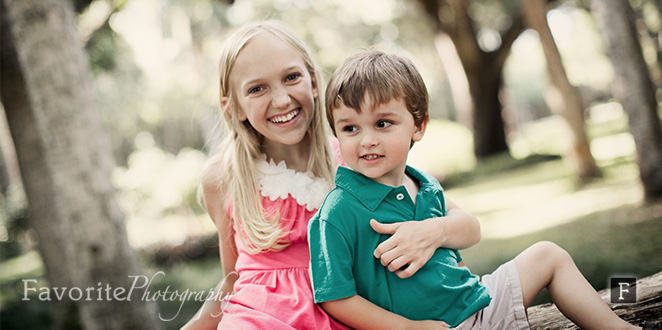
{"x": 65, "y": 165}
{"x": 485, "y": 82}
{"x": 633, "y": 88}
{"x": 483, "y": 70}
{"x": 563, "y": 99}
{"x": 652, "y": 31}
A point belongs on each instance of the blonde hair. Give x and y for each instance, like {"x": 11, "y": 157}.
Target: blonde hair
{"x": 235, "y": 165}
{"x": 380, "y": 76}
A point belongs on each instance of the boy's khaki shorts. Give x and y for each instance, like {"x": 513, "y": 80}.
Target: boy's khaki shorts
{"x": 506, "y": 310}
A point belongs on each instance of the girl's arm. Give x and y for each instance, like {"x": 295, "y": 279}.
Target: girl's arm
{"x": 210, "y": 314}
{"x": 413, "y": 242}
{"x": 372, "y": 316}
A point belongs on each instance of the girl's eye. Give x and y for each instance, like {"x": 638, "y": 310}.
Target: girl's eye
{"x": 349, "y": 129}
{"x": 384, "y": 123}
{"x": 254, "y": 90}
{"x": 292, "y": 77}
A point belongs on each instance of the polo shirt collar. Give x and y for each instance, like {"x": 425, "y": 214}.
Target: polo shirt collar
{"x": 371, "y": 193}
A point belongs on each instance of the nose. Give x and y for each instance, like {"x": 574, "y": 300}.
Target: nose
{"x": 369, "y": 139}
{"x": 280, "y": 97}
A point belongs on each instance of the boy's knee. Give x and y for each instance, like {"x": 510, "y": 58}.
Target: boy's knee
{"x": 551, "y": 252}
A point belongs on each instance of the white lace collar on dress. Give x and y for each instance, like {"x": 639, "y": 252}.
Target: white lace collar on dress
{"x": 277, "y": 181}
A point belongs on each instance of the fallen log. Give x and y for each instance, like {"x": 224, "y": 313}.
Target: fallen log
{"x": 648, "y": 307}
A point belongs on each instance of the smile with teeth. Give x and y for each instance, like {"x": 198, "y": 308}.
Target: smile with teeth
{"x": 371, "y": 157}
{"x": 284, "y": 118}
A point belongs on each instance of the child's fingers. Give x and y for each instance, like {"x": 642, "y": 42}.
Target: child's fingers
{"x": 388, "y": 244}
{"x": 410, "y": 270}
{"x": 384, "y": 228}
{"x": 385, "y": 251}
{"x": 392, "y": 258}
{"x": 397, "y": 264}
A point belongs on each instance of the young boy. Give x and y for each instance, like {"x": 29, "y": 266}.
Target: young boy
{"x": 377, "y": 106}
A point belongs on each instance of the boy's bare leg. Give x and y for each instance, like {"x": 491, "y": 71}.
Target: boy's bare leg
{"x": 545, "y": 264}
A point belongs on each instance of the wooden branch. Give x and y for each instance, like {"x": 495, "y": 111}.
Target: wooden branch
{"x": 508, "y": 37}
{"x": 647, "y": 308}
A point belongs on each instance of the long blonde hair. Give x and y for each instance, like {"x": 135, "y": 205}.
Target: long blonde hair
{"x": 235, "y": 165}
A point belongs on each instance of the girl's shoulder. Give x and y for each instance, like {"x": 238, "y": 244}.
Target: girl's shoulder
{"x": 212, "y": 170}
{"x": 211, "y": 181}
{"x": 335, "y": 146}
{"x": 278, "y": 181}
{"x": 213, "y": 194}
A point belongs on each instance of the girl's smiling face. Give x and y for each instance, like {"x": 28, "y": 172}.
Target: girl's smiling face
{"x": 273, "y": 90}
{"x": 375, "y": 142}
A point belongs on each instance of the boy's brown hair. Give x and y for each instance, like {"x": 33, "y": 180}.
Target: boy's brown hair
{"x": 381, "y": 78}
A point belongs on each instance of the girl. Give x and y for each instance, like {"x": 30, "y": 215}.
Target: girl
{"x": 276, "y": 166}
{"x": 261, "y": 206}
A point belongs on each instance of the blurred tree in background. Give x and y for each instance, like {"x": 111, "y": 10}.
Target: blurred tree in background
{"x": 562, "y": 97}
{"x": 634, "y": 89}
{"x": 65, "y": 165}
{"x": 483, "y": 33}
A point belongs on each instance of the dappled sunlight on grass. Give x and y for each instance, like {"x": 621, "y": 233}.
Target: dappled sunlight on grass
{"x": 514, "y": 209}
{"x": 545, "y": 136}
{"x": 611, "y": 148}
{"x": 496, "y": 208}
{"x": 616, "y": 241}
{"x": 511, "y": 201}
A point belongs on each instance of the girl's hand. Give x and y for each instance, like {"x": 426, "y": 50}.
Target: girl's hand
{"x": 428, "y": 324}
{"x": 411, "y": 243}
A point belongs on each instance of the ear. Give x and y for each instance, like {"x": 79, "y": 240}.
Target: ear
{"x": 419, "y": 130}
{"x": 227, "y": 106}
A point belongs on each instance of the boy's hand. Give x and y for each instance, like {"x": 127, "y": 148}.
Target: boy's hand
{"x": 411, "y": 245}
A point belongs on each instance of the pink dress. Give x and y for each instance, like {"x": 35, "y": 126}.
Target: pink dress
{"x": 273, "y": 290}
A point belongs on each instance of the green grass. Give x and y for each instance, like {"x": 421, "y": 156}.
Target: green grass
{"x": 619, "y": 241}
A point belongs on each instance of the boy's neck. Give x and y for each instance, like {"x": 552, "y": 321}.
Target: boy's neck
{"x": 412, "y": 185}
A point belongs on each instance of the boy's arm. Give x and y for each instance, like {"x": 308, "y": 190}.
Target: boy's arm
{"x": 359, "y": 313}
{"x": 413, "y": 242}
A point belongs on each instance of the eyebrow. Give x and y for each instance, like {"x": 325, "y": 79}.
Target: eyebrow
{"x": 294, "y": 67}
{"x": 388, "y": 114}
{"x": 284, "y": 71}
{"x": 342, "y": 120}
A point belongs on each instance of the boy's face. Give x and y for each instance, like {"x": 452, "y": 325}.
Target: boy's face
{"x": 376, "y": 141}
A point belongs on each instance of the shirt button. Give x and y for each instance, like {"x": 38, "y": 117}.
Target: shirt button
{"x": 400, "y": 196}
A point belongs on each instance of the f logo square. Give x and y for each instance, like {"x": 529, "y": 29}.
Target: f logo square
{"x": 623, "y": 290}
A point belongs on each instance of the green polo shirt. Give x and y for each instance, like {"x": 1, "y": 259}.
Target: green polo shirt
{"x": 342, "y": 245}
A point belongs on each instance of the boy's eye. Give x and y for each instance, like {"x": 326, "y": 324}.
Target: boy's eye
{"x": 384, "y": 123}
